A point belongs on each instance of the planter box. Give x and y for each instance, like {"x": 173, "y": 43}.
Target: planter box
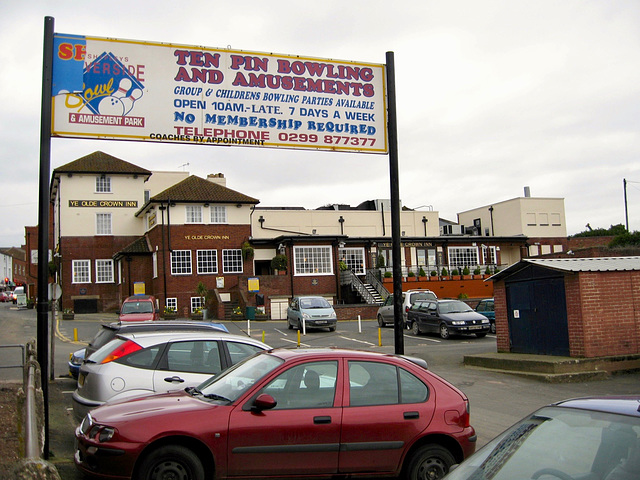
{"x": 387, "y": 279}
{"x": 170, "y": 316}
{"x": 196, "y": 316}
{"x": 67, "y": 316}
{"x": 423, "y": 279}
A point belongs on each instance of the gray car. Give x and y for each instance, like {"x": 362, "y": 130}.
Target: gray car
{"x": 311, "y": 312}
{"x": 385, "y": 312}
{"x": 446, "y": 317}
{"x": 140, "y": 364}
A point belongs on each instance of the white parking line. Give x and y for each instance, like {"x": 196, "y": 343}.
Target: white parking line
{"x": 280, "y": 332}
{"x": 356, "y": 340}
{"x": 423, "y": 338}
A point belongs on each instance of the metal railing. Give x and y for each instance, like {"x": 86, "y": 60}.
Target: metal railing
{"x": 347, "y": 277}
{"x": 32, "y": 439}
{"x": 373, "y": 279}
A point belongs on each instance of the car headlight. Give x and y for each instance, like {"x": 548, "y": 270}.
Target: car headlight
{"x": 458, "y": 322}
{"x": 102, "y": 433}
{"x": 486, "y": 320}
{"x": 306, "y": 316}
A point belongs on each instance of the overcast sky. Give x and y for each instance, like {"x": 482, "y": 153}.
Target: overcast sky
{"x": 492, "y": 96}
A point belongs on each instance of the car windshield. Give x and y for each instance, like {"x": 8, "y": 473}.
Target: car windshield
{"x": 454, "y": 307}
{"x": 576, "y": 443}
{"x": 314, "y": 303}
{"x": 137, "y": 307}
{"x": 232, "y": 383}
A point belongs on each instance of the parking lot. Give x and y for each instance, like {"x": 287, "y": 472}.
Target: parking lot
{"x": 497, "y": 399}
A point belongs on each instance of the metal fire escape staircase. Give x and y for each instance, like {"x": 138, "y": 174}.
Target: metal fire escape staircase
{"x": 371, "y": 290}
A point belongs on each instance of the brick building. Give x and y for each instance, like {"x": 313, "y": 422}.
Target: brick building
{"x": 578, "y": 307}
{"x": 119, "y": 229}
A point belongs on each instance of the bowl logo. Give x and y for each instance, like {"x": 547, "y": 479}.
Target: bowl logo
{"x": 109, "y": 88}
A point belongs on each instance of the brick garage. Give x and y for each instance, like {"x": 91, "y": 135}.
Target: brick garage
{"x": 596, "y": 301}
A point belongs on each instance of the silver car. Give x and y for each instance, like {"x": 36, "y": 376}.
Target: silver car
{"x": 139, "y": 364}
{"x": 385, "y": 313}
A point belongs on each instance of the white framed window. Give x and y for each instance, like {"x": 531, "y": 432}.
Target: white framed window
{"x": 181, "y": 262}
{"x": 354, "y": 258}
{"x": 103, "y": 184}
{"x": 493, "y": 255}
{"x": 193, "y": 214}
{"x": 104, "y": 271}
{"x": 232, "y": 261}
{"x": 172, "y": 303}
{"x": 555, "y": 219}
{"x": 463, "y": 257}
{"x": 81, "y": 271}
{"x": 196, "y": 302}
{"x": 207, "y": 261}
{"x": 103, "y": 224}
{"x": 314, "y": 260}
{"x": 218, "y": 214}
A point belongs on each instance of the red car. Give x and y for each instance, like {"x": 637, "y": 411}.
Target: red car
{"x": 285, "y": 413}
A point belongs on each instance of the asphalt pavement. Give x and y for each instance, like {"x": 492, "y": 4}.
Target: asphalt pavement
{"x": 497, "y": 399}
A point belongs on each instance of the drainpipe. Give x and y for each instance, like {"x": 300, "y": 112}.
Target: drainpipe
{"x": 164, "y": 261}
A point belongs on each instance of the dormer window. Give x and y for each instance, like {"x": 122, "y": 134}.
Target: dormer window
{"x": 103, "y": 184}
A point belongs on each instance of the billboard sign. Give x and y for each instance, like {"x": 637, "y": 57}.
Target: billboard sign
{"x": 142, "y": 91}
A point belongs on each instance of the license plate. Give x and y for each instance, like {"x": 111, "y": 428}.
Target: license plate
{"x": 321, "y": 321}
{"x": 477, "y": 327}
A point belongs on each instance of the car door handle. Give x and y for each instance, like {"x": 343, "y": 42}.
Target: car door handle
{"x": 411, "y": 415}
{"x": 175, "y": 378}
{"x": 321, "y": 420}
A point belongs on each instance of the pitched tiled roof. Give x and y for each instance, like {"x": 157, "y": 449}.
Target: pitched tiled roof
{"x": 100, "y": 162}
{"x": 195, "y": 189}
{"x": 139, "y": 246}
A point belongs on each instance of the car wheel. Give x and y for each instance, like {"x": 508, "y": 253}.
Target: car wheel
{"x": 332, "y": 329}
{"x": 289, "y": 324}
{"x": 493, "y": 328}
{"x": 481, "y": 335}
{"x": 415, "y": 329}
{"x": 429, "y": 462}
{"x": 381, "y": 323}
{"x": 444, "y": 331}
{"x": 171, "y": 461}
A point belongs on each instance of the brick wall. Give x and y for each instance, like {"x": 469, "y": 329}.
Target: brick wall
{"x": 610, "y": 310}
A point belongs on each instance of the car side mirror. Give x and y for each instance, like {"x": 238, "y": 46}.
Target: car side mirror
{"x": 264, "y": 401}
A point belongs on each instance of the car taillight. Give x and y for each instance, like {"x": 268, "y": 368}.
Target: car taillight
{"x": 122, "y": 351}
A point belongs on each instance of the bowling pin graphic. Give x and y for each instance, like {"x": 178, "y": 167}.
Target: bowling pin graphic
{"x": 131, "y": 99}
{"x": 123, "y": 88}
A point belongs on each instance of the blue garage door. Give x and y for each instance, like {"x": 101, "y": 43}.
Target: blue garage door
{"x": 537, "y": 315}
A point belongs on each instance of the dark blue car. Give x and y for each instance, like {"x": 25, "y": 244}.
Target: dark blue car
{"x": 485, "y": 307}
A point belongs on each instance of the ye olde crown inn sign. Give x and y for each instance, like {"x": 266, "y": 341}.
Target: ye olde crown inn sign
{"x": 133, "y": 90}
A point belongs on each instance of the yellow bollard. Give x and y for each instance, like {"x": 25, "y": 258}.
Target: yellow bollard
{"x": 298, "y": 338}
{"x": 75, "y": 334}
{"x": 379, "y": 337}
{"x": 262, "y": 336}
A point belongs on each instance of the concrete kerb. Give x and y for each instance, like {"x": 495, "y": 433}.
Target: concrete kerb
{"x": 554, "y": 369}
